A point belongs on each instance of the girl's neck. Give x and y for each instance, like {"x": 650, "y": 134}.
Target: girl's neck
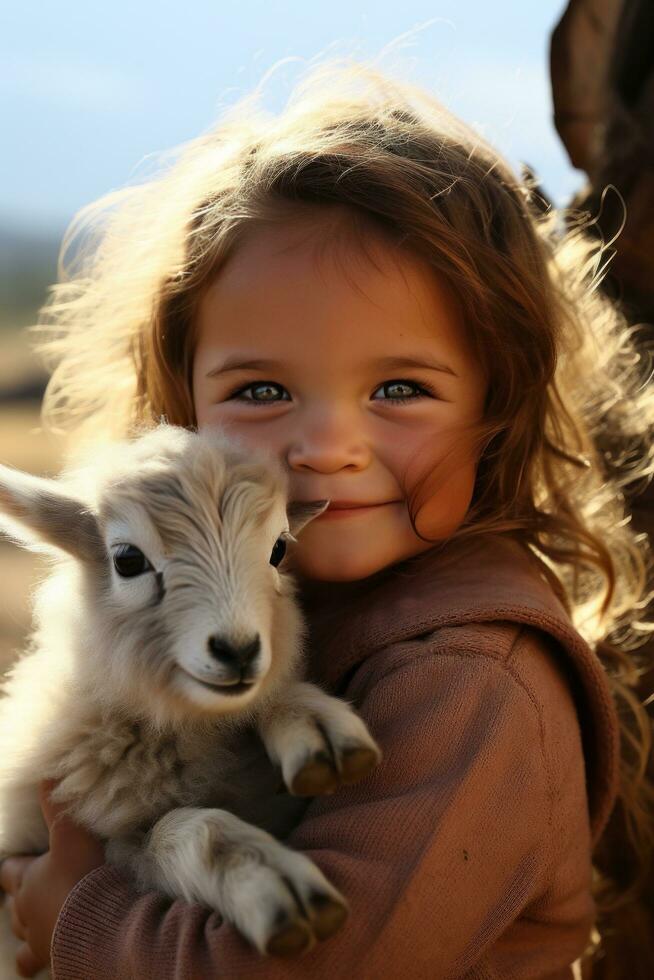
{"x": 316, "y": 594}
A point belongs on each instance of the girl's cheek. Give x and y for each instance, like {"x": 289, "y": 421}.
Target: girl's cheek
{"x": 445, "y": 511}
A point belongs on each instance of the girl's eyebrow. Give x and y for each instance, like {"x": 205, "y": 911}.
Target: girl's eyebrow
{"x": 237, "y": 363}
{"x": 417, "y": 361}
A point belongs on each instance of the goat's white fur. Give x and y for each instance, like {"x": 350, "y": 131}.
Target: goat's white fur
{"x": 111, "y": 696}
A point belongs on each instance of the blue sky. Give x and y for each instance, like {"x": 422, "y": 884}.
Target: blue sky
{"x": 89, "y": 90}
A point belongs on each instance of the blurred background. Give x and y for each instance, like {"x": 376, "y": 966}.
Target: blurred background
{"x": 91, "y": 92}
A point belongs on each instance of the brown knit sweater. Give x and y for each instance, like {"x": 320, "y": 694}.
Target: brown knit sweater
{"x": 467, "y": 854}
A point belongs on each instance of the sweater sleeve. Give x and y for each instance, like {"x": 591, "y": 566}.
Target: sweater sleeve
{"x": 437, "y": 852}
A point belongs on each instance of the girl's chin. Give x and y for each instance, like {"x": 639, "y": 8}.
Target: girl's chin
{"x": 332, "y": 564}
{"x": 329, "y": 564}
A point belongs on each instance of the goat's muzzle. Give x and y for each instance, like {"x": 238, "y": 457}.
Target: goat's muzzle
{"x": 239, "y": 659}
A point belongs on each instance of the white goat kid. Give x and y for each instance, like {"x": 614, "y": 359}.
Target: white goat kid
{"x": 167, "y": 647}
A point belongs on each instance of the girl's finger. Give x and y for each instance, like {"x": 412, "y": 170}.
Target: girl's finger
{"x": 11, "y": 873}
{"x": 17, "y": 926}
{"x": 65, "y": 833}
{"x": 26, "y": 963}
{"x": 61, "y": 828}
{"x": 50, "y": 810}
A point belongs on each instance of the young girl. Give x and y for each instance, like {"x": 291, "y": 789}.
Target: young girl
{"x": 364, "y": 287}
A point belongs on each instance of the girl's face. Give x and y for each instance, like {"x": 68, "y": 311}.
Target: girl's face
{"x": 356, "y": 377}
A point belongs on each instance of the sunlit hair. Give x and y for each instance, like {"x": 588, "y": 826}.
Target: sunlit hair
{"x": 569, "y": 415}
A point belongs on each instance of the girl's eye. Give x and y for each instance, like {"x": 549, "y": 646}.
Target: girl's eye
{"x": 404, "y": 391}
{"x": 398, "y": 391}
{"x": 129, "y": 561}
{"x": 278, "y": 552}
{"x": 263, "y": 393}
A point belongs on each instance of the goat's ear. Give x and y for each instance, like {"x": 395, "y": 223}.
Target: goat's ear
{"x": 300, "y": 513}
{"x": 39, "y": 515}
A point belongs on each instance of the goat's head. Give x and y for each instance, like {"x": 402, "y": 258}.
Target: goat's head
{"x": 179, "y": 538}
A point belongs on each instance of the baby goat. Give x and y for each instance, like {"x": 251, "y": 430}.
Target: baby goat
{"x": 165, "y": 637}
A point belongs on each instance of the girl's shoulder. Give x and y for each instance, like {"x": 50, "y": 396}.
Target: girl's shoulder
{"x": 485, "y": 611}
{"x": 521, "y": 661}
{"x": 477, "y": 597}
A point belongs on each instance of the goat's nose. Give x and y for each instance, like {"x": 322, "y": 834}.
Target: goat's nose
{"x": 236, "y": 656}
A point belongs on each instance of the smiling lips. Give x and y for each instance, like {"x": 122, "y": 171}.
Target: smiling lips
{"x": 352, "y": 504}
{"x": 346, "y": 508}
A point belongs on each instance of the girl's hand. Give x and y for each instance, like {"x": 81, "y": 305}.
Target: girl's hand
{"x": 37, "y": 887}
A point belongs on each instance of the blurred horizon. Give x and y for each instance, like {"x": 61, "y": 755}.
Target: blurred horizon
{"x": 91, "y": 94}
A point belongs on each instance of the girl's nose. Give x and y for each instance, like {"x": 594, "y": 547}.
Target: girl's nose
{"x": 328, "y": 444}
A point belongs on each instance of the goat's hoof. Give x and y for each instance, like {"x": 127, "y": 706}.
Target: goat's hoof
{"x": 356, "y": 762}
{"x": 292, "y": 938}
{"x": 327, "y": 915}
{"x": 317, "y": 776}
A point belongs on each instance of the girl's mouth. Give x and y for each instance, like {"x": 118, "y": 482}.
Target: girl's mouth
{"x": 345, "y": 509}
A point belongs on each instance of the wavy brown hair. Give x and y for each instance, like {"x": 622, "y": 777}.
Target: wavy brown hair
{"x": 569, "y": 413}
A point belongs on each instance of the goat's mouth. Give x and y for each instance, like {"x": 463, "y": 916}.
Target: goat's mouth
{"x": 223, "y": 687}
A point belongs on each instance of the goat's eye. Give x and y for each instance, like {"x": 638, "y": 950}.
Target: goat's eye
{"x": 278, "y": 552}
{"x": 130, "y": 561}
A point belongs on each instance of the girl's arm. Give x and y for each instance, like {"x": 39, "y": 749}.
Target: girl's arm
{"x": 37, "y": 887}
{"x": 438, "y": 852}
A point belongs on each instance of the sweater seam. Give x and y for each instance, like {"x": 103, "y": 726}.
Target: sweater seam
{"x": 510, "y": 665}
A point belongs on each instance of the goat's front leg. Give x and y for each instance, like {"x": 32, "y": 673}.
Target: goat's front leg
{"x": 276, "y": 897}
{"x": 318, "y": 740}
